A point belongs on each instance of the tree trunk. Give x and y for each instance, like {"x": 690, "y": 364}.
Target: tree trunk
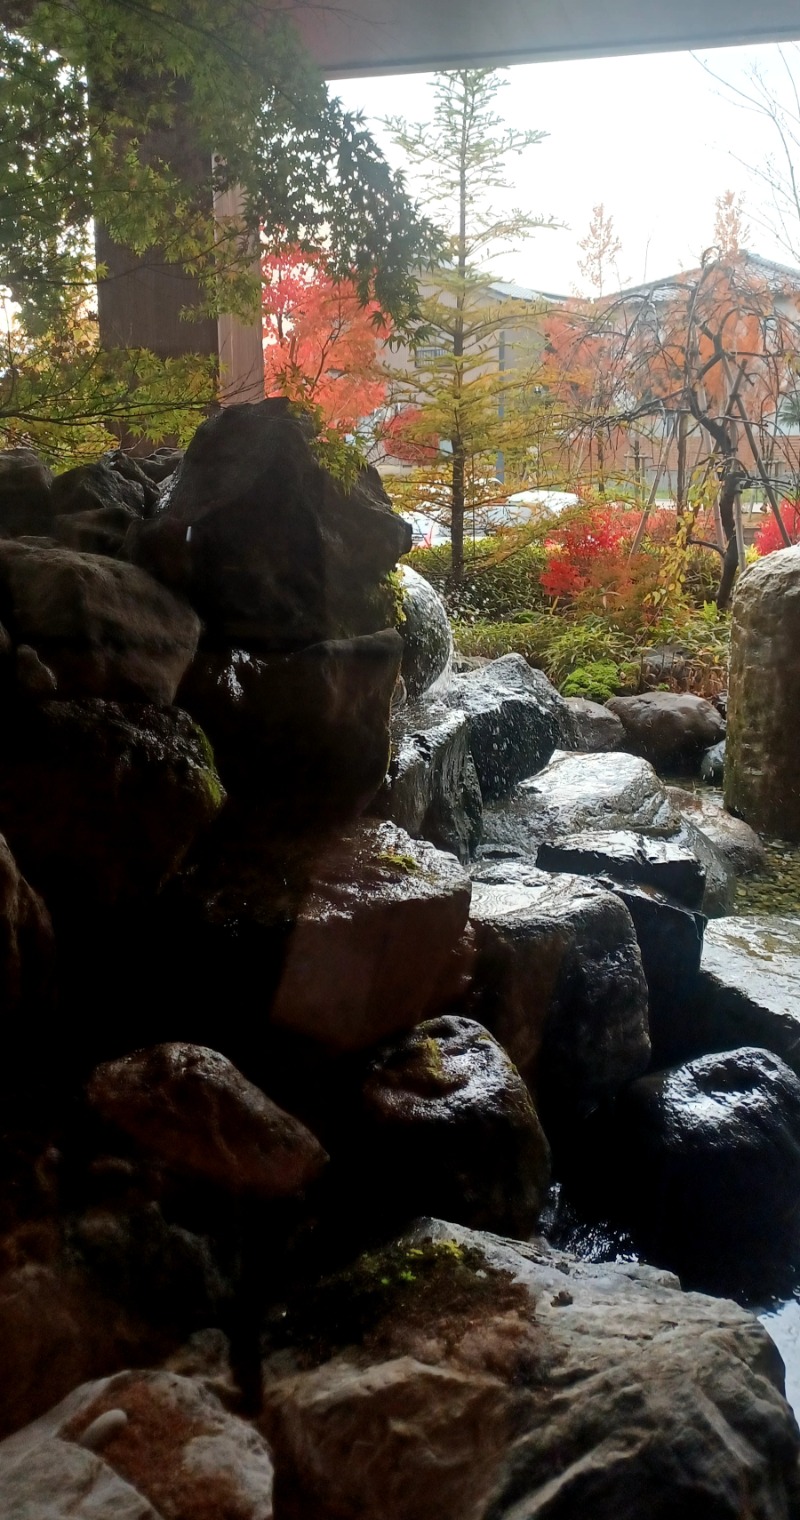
{"x": 680, "y": 484}
{"x": 457, "y": 514}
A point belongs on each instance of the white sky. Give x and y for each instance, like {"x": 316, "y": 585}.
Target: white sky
{"x": 653, "y": 138}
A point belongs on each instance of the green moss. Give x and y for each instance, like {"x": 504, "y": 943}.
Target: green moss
{"x": 399, "y": 862}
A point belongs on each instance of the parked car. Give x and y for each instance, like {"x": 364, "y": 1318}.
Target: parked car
{"x": 533, "y": 502}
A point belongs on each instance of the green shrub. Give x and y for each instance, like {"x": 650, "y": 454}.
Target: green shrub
{"x": 530, "y": 638}
{"x": 498, "y": 584}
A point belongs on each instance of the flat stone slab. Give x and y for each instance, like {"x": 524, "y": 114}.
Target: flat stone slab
{"x": 666, "y": 864}
{"x": 749, "y": 986}
{"x": 577, "y": 792}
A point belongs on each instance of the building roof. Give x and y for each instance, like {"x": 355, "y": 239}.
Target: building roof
{"x": 511, "y": 292}
{"x": 777, "y": 276}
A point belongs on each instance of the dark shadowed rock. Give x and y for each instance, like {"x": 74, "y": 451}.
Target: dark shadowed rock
{"x": 100, "y": 803}
{"x": 144, "y": 1445}
{"x": 113, "y": 482}
{"x": 705, "y": 1161}
{"x": 102, "y": 531}
{"x": 448, "y": 1122}
{"x": 27, "y": 969}
{"x": 104, "y": 628}
{"x": 762, "y": 777}
{"x": 302, "y": 736}
{"x": 712, "y": 765}
{"x": 670, "y": 729}
{"x": 427, "y": 639}
{"x": 370, "y": 948}
{"x": 666, "y": 864}
{"x": 670, "y": 939}
{"x": 732, "y": 838}
{"x": 516, "y": 719}
{"x": 431, "y": 789}
{"x": 191, "y": 1110}
{"x": 558, "y": 979}
{"x": 748, "y": 991}
{"x": 265, "y": 543}
{"x": 595, "y": 726}
{"x": 469, "y": 1376}
{"x": 26, "y": 504}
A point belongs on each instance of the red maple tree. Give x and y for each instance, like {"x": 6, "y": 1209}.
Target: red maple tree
{"x": 321, "y": 345}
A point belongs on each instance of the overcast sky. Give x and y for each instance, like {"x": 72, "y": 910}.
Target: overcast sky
{"x": 654, "y": 138}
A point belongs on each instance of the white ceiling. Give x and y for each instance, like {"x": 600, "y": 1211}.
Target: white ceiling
{"x": 352, "y": 37}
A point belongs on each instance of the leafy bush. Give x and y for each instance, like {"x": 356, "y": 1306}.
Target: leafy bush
{"x": 499, "y": 582}
{"x": 491, "y": 640}
{"x": 768, "y": 537}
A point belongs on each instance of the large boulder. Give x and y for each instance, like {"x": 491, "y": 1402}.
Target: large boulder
{"x": 104, "y": 629}
{"x": 471, "y": 1377}
{"x": 101, "y": 802}
{"x": 27, "y": 969}
{"x": 748, "y": 990}
{"x": 149, "y": 1445}
{"x": 558, "y": 979}
{"x": 762, "y": 777}
{"x": 26, "y": 504}
{"x": 427, "y": 637}
{"x": 516, "y": 720}
{"x": 431, "y": 789}
{"x": 194, "y": 1113}
{"x": 371, "y": 946}
{"x": 266, "y": 544}
{"x": 303, "y": 736}
{"x": 704, "y": 1161}
{"x": 670, "y": 729}
{"x": 446, "y": 1122}
{"x": 666, "y": 864}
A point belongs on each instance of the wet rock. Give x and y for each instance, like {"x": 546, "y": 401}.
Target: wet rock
{"x": 516, "y": 719}
{"x": 104, "y": 629}
{"x": 666, "y": 864}
{"x": 474, "y": 1377}
{"x": 427, "y": 639}
{"x": 26, "y": 504}
{"x": 100, "y": 803}
{"x": 264, "y": 542}
{"x": 188, "y": 1107}
{"x": 712, "y": 765}
{"x": 670, "y": 939}
{"x": 748, "y": 991}
{"x": 595, "y": 726}
{"x": 732, "y": 838}
{"x": 607, "y": 795}
{"x": 431, "y": 789}
{"x": 301, "y": 737}
{"x": 102, "y": 531}
{"x": 705, "y": 1159}
{"x": 762, "y": 779}
{"x": 138, "y": 1446}
{"x": 371, "y": 945}
{"x": 670, "y": 729}
{"x": 447, "y": 1122}
{"x": 162, "y": 463}
{"x": 578, "y": 792}
{"x": 558, "y": 979}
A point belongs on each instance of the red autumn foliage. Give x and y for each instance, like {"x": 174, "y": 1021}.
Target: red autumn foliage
{"x": 320, "y": 343}
{"x": 405, "y": 438}
{"x": 768, "y": 537}
{"x": 586, "y": 537}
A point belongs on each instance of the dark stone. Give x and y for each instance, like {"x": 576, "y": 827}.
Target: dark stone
{"x": 447, "y": 1121}
{"x": 301, "y": 737}
{"x": 100, "y": 803}
{"x": 558, "y": 979}
{"x": 594, "y": 726}
{"x": 264, "y": 542}
{"x": 516, "y": 720}
{"x": 104, "y": 629}
{"x": 95, "y": 487}
{"x": 670, "y": 939}
{"x": 161, "y": 463}
{"x": 194, "y": 1113}
{"x": 666, "y": 864}
{"x": 431, "y": 789}
{"x": 670, "y": 729}
{"x": 102, "y": 531}
{"x": 712, "y": 765}
{"x": 719, "y": 895}
{"x": 26, "y": 504}
{"x": 27, "y": 975}
{"x": 579, "y": 792}
{"x": 705, "y": 1160}
{"x": 427, "y": 639}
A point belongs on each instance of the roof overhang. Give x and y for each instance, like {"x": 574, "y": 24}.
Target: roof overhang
{"x": 353, "y": 37}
